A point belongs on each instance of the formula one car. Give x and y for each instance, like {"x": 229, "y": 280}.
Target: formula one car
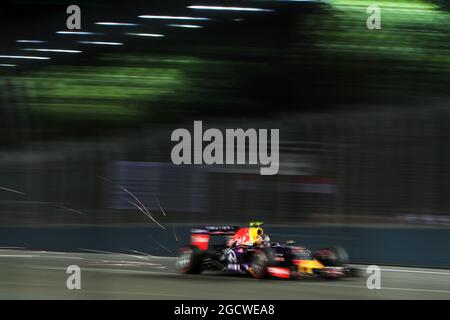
{"x": 248, "y": 250}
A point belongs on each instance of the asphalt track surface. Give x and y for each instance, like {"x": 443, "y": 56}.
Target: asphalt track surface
{"x": 42, "y": 275}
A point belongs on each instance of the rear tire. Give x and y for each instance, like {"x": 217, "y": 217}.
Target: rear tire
{"x": 190, "y": 259}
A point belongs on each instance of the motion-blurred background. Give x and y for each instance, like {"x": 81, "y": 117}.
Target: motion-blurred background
{"x": 363, "y": 118}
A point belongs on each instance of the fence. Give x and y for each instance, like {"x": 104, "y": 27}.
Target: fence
{"x": 356, "y": 166}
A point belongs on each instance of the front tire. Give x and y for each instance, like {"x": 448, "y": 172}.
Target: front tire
{"x": 259, "y": 262}
{"x": 332, "y": 256}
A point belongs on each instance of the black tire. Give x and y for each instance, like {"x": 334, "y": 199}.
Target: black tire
{"x": 260, "y": 260}
{"x": 190, "y": 259}
{"x": 332, "y": 256}
{"x": 258, "y": 263}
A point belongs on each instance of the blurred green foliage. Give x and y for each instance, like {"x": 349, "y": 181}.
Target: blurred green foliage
{"x": 408, "y": 56}
{"x": 413, "y": 30}
{"x": 109, "y": 91}
{"x": 338, "y": 59}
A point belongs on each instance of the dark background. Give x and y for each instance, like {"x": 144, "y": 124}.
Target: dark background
{"x": 363, "y": 118}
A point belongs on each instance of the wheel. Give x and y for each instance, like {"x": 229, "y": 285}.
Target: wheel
{"x": 332, "y": 256}
{"x": 189, "y": 260}
{"x": 258, "y": 264}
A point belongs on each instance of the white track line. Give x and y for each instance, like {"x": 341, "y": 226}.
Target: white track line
{"x": 406, "y": 270}
{"x": 415, "y": 271}
{"x": 24, "y": 284}
{"x": 17, "y": 256}
{"x": 139, "y": 293}
{"x": 374, "y": 290}
{"x": 417, "y": 290}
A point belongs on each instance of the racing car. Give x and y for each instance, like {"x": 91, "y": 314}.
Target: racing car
{"x": 248, "y": 250}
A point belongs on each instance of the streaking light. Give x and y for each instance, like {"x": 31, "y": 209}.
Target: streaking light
{"x": 145, "y": 34}
{"x": 76, "y": 32}
{"x": 52, "y": 50}
{"x": 30, "y": 41}
{"x": 185, "y": 26}
{"x": 117, "y": 24}
{"x": 7, "y": 65}
{"x": 25, "y": 57}
{"x": 102, "y": 43}
{"x": 173, "y": 18}
{"x": 229, "y": 8}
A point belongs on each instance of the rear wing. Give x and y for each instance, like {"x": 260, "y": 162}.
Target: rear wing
{"x": 215, "y": 230}
{"x": 200, "y": 235}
